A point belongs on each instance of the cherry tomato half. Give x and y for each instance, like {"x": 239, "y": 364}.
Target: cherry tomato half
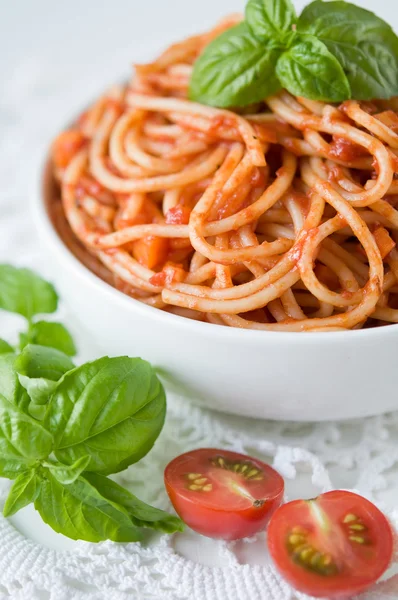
{"x": 223, "y": 494}
{"x": 333, "y": 546}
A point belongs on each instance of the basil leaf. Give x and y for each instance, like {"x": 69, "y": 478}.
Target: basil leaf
{"x": 112, "y": 410}
{"x": 11, "y": 468}
{"x": 5, "y": 347}
{"x": 54, "y": 335}
{"x": 20, "y": 435}
{"x": 308, "y": 69}
{"x": 39, "y": 369}
{"x": 39, "y": 390}
{"x": 9, "y": 384}
{"x": 23, "y": 340}
{"x": 37, "y": 411}
{"x": 67, "y": 474}
{"x": 24, "y": 491}
{"x": 365, "y": 46}
{"x": 79, "y": 512}
{"x": 25, "y": 293}
{"x": 41, "y": 361}
{"x": 141, "y": 514}
{"x": 234, "y": 70}
{"x": 270, "y": 20}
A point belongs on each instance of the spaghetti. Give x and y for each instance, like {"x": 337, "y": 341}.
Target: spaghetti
{"x": 281, "y": 217}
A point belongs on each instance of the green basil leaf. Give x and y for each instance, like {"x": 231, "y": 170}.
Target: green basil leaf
{"x": 10, "y": 386}
{"x": 67, "y": 474}
{"x": 23, "y": 340}
{"x": 39, "y": 369}
{"x": 25, "y": 293}
{"x": 5, "y": 347}
{"x": 112, "y": 410}
{"x": 37, "y": 411}
{"x": 141, "y": 514}
{"x": 39, "y": 390}
{"x": 21, "y": 437}
{"x": 54, "y": 335}
{"x": 308, "y": 69}
{"x": 11, "y": 468}
{"x": 270, "y": 20}
{"x": 24, "y": 491}
{"x": 365, "y": 46}
{"x": 234, "y": 70}
{"x": 79, "y": 512}
{"x": 43, "y": 362}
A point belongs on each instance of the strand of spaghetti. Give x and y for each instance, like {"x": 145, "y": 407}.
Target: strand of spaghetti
{"x": 322, "y": 148}
{"x": 290, "y": 307}
{"x": 124, "y": 266}
{"x": 381, "y": 131}
{"x": 277, "y": 272}
{"x": 361, "y": 271}
{"x": 351, "y": 293}
{"x": 145, "y": 184}
{"x": 147, "y": 161}
{"x": 82, "y": 225}
{"x": 330, "y": 125}
{"x": 117, "y": 132}
{"x": 241, "y": 305}
{"x": 386, "y": 314}
{"x": 247, "y": 215}
{"x": 136, "y": 232}
{"x": 184, "y": 106}
{"x": 155, "y": 302}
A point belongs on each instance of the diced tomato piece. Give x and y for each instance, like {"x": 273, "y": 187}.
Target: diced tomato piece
{"x": 171, "y": 273}
{"x": 345, "y": 150}
{"x": 151, "y": 251}
{"x": 383, "y": 240}
{"x": 178, "y": 215}
{"x": 66, "y": 146}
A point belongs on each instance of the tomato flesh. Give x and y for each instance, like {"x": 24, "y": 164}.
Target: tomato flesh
{"x": 223, "y": 494}
{"x": 333, "y": 546}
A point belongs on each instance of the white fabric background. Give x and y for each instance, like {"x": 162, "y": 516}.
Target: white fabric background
{"x": 55, "y": 57}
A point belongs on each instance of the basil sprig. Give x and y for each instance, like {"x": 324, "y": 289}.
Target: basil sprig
{"x": 64, "y": 428}
{"x": 333, "y": 51}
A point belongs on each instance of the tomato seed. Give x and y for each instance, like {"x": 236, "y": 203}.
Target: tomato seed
{"x": 350, "y": 517}
{"x": 201, "y": 480}
{"x": 193, "y": 476}
{"x": 356, "y": 538}
{"x": 307, "y": 555}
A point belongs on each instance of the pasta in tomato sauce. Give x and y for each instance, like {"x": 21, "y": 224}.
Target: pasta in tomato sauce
{"x": 280, "y": 217}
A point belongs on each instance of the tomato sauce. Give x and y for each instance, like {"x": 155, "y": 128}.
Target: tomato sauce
{"x": 345, "y": 150}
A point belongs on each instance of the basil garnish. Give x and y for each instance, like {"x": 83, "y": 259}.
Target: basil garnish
{"x": 332, "y": 52}
{"x": 63, "y": 428}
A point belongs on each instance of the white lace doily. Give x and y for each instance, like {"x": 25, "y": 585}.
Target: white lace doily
{"x": 39, "y": 95}
{"x": 312, "y": 458}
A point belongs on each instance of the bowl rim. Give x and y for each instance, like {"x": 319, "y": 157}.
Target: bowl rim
{"x": 46, "y": 227}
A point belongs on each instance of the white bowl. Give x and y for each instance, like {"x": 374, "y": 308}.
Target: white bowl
{"x": 295, "y": 376}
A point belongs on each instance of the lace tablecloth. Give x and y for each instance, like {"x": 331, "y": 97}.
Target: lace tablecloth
{"x": 41, "y": 90}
